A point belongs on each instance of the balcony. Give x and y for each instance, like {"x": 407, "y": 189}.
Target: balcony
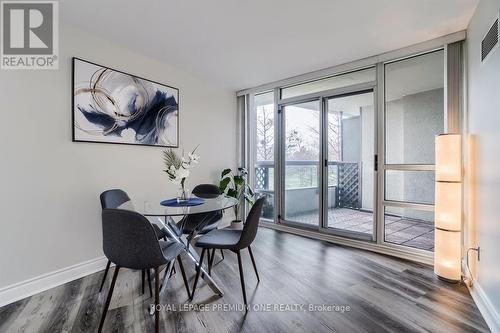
{"x": 346, "y": 208}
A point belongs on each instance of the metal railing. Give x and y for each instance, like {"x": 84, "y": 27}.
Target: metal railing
{"x": 302, "y": 174}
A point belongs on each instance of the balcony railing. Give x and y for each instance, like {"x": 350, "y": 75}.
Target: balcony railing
{"x": 301, "y": 184}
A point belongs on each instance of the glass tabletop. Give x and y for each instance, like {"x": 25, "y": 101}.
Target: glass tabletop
{"x": 155, "y": 209}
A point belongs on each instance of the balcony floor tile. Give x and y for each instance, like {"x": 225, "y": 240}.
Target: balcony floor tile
{"x": 407, "y": 232}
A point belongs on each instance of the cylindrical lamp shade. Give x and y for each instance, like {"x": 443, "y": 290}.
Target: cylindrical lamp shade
{"x": 448, "y": 209}
{"x": 447, "y": 254}
{"x": 449, "y": 158}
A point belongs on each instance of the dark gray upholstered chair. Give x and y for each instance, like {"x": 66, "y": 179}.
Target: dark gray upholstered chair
{"x": 130, "y": 241}
{"x": 234, "y": 240}
{"x": 114, "y": 199}
{"x": 204, "y": 222}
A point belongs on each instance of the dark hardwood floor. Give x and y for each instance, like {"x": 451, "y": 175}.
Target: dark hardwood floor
{"x": 384, "y": 295}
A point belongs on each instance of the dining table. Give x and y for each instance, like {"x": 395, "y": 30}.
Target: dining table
{"x": 172, "y": 217}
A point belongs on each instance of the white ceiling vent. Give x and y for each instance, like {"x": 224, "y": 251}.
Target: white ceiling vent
{"x": 490, "y": 41}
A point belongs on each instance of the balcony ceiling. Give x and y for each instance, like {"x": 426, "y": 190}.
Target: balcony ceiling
{"x": 238, "y": 44}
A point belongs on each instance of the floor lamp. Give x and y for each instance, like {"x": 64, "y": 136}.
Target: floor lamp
{"x": 448, "y": 207}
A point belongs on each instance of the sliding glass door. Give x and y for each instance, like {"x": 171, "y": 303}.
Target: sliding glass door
{"x": 414, "y": 104}
{"x": 327, "y": 148}
{"x": 301, "y": 160}
{"x": 352, "y": 155}
{"x": 350, "y": 150}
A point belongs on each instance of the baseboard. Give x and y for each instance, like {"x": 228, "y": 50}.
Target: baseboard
{"x": 486, "y": 308}
{"x": 50, "y": 280}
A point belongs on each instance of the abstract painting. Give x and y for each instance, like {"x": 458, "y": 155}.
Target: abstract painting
{"x": 114, "y": 107}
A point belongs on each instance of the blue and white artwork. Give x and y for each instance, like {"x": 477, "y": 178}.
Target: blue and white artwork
{"x": 114, "y": 107}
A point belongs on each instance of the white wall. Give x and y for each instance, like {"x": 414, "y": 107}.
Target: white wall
{"x": 50, "y": 186}
{"x": 484, "y": 124}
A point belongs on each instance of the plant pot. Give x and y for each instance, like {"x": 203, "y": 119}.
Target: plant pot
{"x": 237, "y": 224}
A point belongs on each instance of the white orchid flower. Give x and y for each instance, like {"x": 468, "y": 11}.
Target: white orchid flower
{"x": 185, "y": 165}
{"x": 177, "y": 167}
{"x": 182, "y": 173}
{"x": 194, "y": 158}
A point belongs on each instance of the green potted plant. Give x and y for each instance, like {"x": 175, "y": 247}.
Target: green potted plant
{"x": 235, "y": 185}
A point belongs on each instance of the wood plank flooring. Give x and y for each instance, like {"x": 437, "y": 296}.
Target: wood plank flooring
{"x": 384, "y": 295}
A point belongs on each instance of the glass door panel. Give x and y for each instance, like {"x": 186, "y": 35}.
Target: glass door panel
{"x": 301, "y": 152}
{"x": 414, "y": 115}
{"x": 414, "y": 108}
{"x": 409, "y": 227}
{"x": 262, "y": 134}
{"x": 350, "y": 161}
{"x": 409, "y": 186}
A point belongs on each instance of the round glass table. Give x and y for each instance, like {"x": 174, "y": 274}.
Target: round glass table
{"x": 164, "y": 218}
{"x": 209, "y": 205}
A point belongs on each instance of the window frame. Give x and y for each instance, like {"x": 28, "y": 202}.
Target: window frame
{"x": 453, "y": 116}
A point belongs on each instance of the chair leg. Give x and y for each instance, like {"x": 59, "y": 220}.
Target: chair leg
{"x": 149, "y": 283}
{"x": 108, "y": 299}
{"x": 198, "y": 270}
{"x": 208, "y": 263}
{"x": 172, "y": 272}
{"x": 253, "y": 263}
{"x": 143, "y": 272}
{"x": 211, "y": 261}
{"x": 157, "y": 299}
{"x": 242, "y": 279}
{"x": 166, "y": 270}
{"x": 183, "y": 272}
{"x": 166, "y": 276}
{"x": 209, "y": 255}
{"x": 222, "y": 254}
{"x": 105, "y": 274}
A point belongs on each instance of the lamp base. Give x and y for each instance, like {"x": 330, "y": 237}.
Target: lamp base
{"x": 448, "y": 280}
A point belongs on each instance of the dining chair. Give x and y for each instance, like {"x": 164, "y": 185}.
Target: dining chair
{"x": 203, "y": 222}
{"x": 233, "y": 240}
{"x": 200, "y": 224}
{"x": 114, "y": 199}
{"x": 130, "y": 241}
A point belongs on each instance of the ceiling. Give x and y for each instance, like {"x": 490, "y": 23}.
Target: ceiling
{"x": 239, "y": 44}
